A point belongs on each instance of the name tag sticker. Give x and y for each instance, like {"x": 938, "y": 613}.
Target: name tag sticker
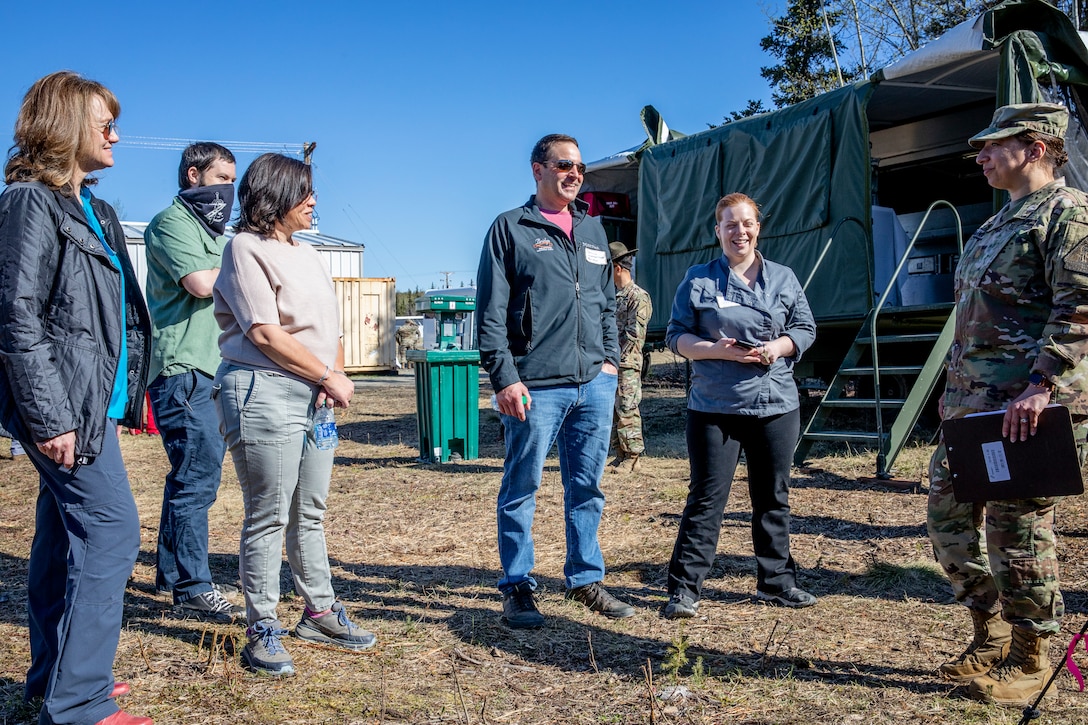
{"x": 723, "y": 303}
{"x": 997, "y": 466}
{"x": 596, "y": 256}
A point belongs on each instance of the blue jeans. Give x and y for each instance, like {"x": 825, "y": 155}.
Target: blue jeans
{"x": 578, "y": 418}
{"x": 86, "y": 538}
{"x": 185, "y": 415}
{"x": 268, "y": 422}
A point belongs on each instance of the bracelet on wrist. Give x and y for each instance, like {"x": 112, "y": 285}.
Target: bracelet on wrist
{"x": 324, "y": 377}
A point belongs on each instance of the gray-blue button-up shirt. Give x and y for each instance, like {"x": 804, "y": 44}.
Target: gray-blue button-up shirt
{"x": 713, "y": 302}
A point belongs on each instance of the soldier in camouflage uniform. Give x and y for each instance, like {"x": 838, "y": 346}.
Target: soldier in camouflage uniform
{"x": 1020, "y": 344}
{"x": 633, "y": 310}
{"x": 409, "y": 336}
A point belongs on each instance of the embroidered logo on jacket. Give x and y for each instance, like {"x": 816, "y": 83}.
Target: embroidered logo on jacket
{"x": 543, "y": 245}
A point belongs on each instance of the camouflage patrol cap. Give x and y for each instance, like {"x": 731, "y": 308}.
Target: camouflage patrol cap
{"x": 1049, "y": 118}
{"x": 621, "y": 255}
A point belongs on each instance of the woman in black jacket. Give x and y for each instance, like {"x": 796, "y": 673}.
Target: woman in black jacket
{"x": 73, "y": 341}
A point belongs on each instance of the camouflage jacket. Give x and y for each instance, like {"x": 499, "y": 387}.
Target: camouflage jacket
{"x": 633, "y": 310}
{"x": 1022, "y": 304}
{"x": 408, "y": 334}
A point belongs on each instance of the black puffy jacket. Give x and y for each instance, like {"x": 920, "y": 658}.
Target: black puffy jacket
{"x": 60, "y": 321}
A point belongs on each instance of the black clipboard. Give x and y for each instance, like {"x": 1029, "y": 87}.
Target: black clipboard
{"x": 987, "y": 467}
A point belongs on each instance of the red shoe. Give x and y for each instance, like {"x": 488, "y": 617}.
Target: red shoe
{"x": 120, "y": 689}
{"x": 123, "y": 718}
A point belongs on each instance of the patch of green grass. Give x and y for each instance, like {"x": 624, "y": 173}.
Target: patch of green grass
{"x": 910, "y": 577}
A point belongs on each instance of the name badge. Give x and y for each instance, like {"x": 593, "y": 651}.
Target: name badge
{"x": 596, "y": 256}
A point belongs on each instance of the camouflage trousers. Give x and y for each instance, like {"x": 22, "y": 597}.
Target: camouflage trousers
{"x": 999, "y": 556}
{"x": 626, "y": 418}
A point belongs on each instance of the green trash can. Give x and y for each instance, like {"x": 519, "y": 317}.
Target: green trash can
{"x": 447, "y": 384}
{"x": 447, "y": 404}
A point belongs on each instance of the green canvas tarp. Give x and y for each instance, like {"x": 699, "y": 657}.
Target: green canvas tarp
{"x": 810, "y": 167}
{"x": 807, "y": 166}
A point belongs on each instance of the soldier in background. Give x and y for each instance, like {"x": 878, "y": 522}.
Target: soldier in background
{"x": 409, "y": 337}
{"x": 1020, "y": 345}
{"x": 633, "y": 310}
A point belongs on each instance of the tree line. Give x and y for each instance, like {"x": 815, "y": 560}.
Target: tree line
{"x": 821, "y": 45}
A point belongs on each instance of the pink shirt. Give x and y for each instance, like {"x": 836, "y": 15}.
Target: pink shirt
{"x": 561, "y": 219}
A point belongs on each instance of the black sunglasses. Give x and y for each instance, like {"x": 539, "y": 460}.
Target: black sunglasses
{"x": 565, "y": 165}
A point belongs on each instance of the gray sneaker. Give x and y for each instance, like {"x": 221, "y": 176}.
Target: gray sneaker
{"x": 265, "y": 653}
{"x": 681, "y": 606}
{"x": 209, "y": 606}
{"x": 334, "y": 628}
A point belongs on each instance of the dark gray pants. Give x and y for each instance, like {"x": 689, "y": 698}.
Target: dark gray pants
{"x": 86, "y": 538}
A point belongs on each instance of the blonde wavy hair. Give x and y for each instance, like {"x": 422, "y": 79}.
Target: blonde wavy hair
{"x": 54, "y": 127}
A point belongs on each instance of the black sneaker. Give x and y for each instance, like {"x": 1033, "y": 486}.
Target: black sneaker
{"x": 210, "y": 606}
{"x": 518, "y": 608}
{"x": 681, "y": 606}
{"x": 792, "y": 597}
{"x": 264, "y": 653}
{"x": 597, "y": 599}
{"x": 335, "y": 629}
{"x": 224, "y": 588}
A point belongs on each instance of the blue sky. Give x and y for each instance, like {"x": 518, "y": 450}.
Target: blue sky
{"x": 424, "y": 112}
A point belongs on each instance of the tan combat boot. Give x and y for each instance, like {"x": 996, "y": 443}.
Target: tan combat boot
{"x": 636, "y": 464}
{"x": 990, "y": 645}
{"x": 1021, "y": 676}
{"x": 620, "y": 461}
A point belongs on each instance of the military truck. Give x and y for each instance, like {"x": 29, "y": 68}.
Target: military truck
{"x": 867, "y": 192}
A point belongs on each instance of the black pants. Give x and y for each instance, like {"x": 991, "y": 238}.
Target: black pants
{"x": 715, "y": 442}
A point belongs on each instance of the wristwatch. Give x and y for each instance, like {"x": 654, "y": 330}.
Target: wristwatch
{"x": 1039, "y": 381}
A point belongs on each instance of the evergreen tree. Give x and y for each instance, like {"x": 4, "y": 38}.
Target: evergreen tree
{"x": 406, "y": 302}
{"x": 800, "y": 41}
{"x": 867, "y": 35}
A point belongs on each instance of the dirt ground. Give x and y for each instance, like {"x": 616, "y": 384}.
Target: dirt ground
{"x": 414, "y": 559}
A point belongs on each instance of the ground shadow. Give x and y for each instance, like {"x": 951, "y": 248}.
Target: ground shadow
{"x": 843, "y": 530}
{"x": 812, "y": 477}
{"x": 825, "y": 526}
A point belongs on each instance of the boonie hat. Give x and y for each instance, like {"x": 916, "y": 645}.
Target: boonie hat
{"x": 1049, "y": 118}
{"x": 621, "y": 254}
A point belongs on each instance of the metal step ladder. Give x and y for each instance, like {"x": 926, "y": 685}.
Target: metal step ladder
{"x": 893, "y": 418}
{"x": 862, "y": 364}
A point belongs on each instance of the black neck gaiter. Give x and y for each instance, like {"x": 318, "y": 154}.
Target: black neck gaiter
{"x": 210, "y": 205}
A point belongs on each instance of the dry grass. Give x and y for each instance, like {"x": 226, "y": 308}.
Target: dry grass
{"x": 414, "y": 558}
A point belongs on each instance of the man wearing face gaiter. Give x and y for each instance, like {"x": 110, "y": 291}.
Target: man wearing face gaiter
{"x": 184, "y": 248}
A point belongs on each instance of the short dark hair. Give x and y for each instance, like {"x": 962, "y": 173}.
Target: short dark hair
{"x": 273, "y": 185}
{"x": 200, "y": 155}
{"x": 544, "y": 145}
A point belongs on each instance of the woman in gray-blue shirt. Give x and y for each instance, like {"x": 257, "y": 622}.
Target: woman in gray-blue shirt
{"x": 743, "y": 321}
